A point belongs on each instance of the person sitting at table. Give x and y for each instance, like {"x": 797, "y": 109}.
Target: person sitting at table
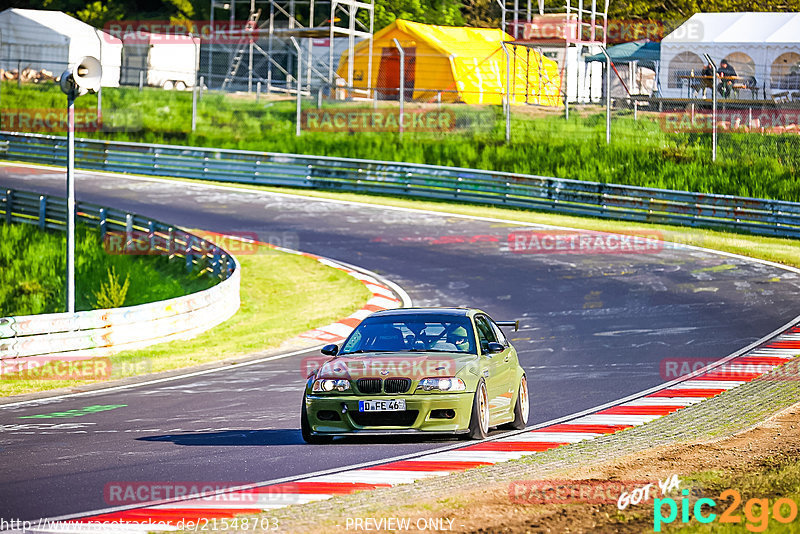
{"x": 706, "y": 78}
{"x": 727, "y": 74}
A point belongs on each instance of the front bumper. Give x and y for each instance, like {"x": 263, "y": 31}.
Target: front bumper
{"x": 351, "y": 421}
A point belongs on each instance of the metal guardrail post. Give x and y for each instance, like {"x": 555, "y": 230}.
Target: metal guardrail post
{"x": 103, "y": 223}
{"x": 128, "y": 231}
{"x": 188, "y": 253}
{"x": 171, "y": 242}
{"x": 215, "y": 262}
{"x": 151, "y": 234}
{"x": 42, "y": 212}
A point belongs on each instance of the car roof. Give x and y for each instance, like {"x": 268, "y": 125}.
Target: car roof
{"x": 456, "y": 312}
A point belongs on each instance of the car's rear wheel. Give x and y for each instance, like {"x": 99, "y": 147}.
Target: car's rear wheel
{"x": 479, "y": 421}
{"x": 522, "y": 407}
{"x": 305, "y": 429}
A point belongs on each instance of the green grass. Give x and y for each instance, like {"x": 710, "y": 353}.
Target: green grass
{"x": 777, "y": 477}
{"x": 33, "y": 265}
{"x": 282, "y": 295}
{"x": 641, "y": 153}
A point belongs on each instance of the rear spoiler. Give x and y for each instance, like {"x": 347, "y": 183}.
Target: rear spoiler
{"x": 515, "y": 324}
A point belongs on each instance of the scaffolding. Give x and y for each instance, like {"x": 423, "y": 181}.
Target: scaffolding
{"x": 272, "y": 24}
{"x": 567, "y": 37}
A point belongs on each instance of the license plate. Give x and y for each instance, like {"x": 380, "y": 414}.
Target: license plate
{"x": 388, "y": 405}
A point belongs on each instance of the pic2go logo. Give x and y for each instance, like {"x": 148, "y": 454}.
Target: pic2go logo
{"x": 756, "y": 511}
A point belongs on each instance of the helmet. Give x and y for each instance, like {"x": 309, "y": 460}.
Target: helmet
{"x": 459, "y": 335}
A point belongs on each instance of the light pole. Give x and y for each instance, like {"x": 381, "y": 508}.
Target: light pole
{"x": 608, "y": 95}
{"x": 503, "y": 14}
{"x": 402, "y": 92}
{"x": 507, "y": 106}
{"x": 713, "y": 108}
{"x": 75, "y": 81}
{"x": 298, "y": 117}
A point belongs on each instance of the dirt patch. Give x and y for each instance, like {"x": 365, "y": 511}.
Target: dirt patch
{"x": 491, "y": 510}
{"x": 495, "y": 509}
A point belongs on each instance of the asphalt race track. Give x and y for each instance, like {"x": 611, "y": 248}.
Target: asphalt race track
{"x": 595, "y": 327}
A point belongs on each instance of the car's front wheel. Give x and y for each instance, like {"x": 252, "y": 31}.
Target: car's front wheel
{"x": 522, "y": 407}
{"x": 305, "y": 429}
{"x": 479, "y": 421}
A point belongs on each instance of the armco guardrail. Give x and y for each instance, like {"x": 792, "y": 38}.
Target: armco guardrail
{"x": 103, "y": 332}
{"x": 758, "y": 216}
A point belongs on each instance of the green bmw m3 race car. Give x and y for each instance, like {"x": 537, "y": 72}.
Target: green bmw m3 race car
{"x": 437, "y": 370}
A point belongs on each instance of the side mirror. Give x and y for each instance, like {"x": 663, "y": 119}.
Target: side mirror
{"x": 495, "y": 348}
{"x": 330, "y": 350}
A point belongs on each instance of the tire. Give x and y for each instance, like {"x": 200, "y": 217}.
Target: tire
{"x": 169, "y": 85}
{"x": 305, "y": 429}
{"x": 479, "y": 420}
{"x": 180, "y": 85}
{"x": 522, "y": 407}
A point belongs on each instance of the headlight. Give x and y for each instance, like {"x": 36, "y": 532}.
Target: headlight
{"x": 442, "y": 384}
{"x": 330, "y": 384}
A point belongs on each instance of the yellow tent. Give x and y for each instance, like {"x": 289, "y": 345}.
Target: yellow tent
{"x": 454, "y": 64}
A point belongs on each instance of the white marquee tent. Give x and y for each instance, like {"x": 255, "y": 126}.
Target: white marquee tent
{"x": 52, "y": 40}
{"x": 762, "y": 45}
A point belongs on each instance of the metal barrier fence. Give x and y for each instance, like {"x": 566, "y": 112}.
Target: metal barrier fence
{"x": 753, "y": 215}
{"x": 95, "y": 333}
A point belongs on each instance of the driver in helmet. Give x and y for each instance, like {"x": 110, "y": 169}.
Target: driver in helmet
{"x": 459, "y": 338}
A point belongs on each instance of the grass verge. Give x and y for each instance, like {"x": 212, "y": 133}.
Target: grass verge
{"x": 33, "y": 264}
{"x": 282, "y": 295}
{"x": 641, "y": 152}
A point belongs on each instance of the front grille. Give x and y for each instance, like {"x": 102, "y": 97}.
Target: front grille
{"x": 369, "y": 386}
{"x": 396, "y": 385}
{"x": 404, "y": 418}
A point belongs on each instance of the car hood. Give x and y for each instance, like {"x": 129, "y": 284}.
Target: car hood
{"x": 414, "y": 365}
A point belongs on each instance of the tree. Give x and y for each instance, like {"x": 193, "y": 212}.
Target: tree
{"x": 442, "y": 12}
{"x": 481, "y": 13}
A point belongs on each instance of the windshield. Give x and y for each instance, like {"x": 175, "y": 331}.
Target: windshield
{"x": 412, "y": 333}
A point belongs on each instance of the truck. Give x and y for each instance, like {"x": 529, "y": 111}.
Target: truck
{"x": 160, "y": 60}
